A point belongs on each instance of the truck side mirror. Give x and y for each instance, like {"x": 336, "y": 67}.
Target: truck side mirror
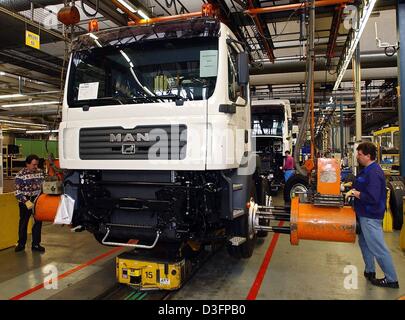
{"x": 243, "y": 68}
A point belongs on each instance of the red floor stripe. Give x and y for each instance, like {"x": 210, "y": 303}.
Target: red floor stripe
{"x": 65, "y": 274}
{"x": 254, "y": 290}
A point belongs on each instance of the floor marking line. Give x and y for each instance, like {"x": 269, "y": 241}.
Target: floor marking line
{"x": 65, "y": 274}
{"x": 254, "y": 290}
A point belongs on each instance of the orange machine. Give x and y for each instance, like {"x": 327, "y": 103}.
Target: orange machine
{"x": 310, "y": 222}
{"x": 328, "y": 176}
{"x": 46, "y": 207}
{"x": 324, "y": 218}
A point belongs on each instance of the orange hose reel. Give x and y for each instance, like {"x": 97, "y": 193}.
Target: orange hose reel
{"x": 46, "y": 207}
{"x": 309, "y": 222}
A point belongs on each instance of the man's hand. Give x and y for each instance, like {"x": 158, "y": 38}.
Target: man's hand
{"x": 349, "y": 194}
{"x": 356, "y": 193}
{"x": 29, "y": 205}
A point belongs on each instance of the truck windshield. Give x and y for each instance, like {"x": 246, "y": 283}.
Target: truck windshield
{"x": 268, "y": 124}
{"x": 144, "y": 72}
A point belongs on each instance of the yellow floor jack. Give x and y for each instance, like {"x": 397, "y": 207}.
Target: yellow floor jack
{"x": 387, "y": 221}
{"x": 159, "y": 270}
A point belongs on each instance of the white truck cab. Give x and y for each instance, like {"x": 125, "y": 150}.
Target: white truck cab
{"x": 155, "y": 135}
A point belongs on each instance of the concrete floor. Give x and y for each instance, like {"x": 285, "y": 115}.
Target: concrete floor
{"x": 86, "y": 269}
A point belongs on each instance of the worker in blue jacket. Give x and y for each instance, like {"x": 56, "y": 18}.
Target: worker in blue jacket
{"x": 369, "y": 192}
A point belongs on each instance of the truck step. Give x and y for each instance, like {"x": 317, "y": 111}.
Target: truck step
{"x": 237, "y": 241}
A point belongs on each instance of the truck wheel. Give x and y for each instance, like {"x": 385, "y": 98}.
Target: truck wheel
{"x": 297, "y": 183}
{"x": 242, "y": 227}
{"x": 397, "y": 190}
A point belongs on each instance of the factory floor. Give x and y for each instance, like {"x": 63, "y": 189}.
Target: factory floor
{"x": 277, "y": 270}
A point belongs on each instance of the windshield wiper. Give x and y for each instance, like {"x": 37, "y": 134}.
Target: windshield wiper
{"x": 175, "y": 97}
{"x": 116, "y": 99}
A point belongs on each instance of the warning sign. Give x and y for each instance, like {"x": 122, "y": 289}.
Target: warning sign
{"x": 32, "y": 39}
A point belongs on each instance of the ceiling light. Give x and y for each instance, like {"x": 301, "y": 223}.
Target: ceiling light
{"x": 41, "y": 131}
{"x": 13, "y": 129}
{"x": 24, "y": 123}
{"x": 29, "y": 104}
{"x": 142, "y": 14}
{"x": 128, "y": 5}
{"x": 92, "y": 35}
{"x": 10, "y": 96}
{"x": 364, "y": 14}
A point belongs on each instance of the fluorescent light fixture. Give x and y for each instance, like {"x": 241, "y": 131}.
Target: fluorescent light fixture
{"x": 93, "y": 36}
{"x": 10, "y": 96}
{"x": 24, "y": 123}
{"x": 41, "y": 131}
{"x": 128, "y": 6}
{"x": 367, "y": 10}
{"x": 13, "y": 129}
{"x": 29, "y": 104}
{"x": 143, "y": 15}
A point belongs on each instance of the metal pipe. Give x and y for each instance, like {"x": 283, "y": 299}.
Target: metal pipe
{"x": 401, "y": 80}
{"x": 319, "y": 77}
{"x": 168, "y": 18}
{"x": 357, "y": 88}
{"x": 293, "y": 63}
{"x": 134, "y": 17}
{"x": 296, "y": 6}
{"x": 285, "y": 230}
{"x": 310, "y": 81}
{"x": 341, "y": 130}
{"x": 254, "y": 11}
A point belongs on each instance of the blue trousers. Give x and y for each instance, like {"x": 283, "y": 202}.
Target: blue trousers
{"x": 372, "y": 245}
{"x": 288, "y": 174}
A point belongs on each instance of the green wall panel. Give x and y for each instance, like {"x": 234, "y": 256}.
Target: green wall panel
{"x": 36, "y": 146}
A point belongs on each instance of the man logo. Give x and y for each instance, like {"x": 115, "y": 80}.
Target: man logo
{"x": 128, "y": 149}
{"x": 128, "y": 137}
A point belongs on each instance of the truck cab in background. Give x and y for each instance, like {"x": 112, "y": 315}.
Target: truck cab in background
{"x": 273, "y": 131}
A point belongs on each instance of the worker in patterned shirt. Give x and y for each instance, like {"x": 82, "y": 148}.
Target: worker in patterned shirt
{"x": 28, "y": 183}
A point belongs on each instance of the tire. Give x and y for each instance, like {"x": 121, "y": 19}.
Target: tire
{"x": 240, "y": 227}
{"x": 296, "y": 182}
{"x": 397, "y": 191}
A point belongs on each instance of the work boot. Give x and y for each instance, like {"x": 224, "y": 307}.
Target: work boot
{"x": 38, "y": 248}
{"x": 369, "y": 275}
{"x": 385, "y": 283}
{"x": 19, "y": 248}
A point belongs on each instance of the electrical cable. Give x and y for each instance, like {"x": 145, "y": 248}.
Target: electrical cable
{"x": 86, "y": 12}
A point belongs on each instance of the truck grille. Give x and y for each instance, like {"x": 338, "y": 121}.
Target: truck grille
{"x": 165, "y": 142}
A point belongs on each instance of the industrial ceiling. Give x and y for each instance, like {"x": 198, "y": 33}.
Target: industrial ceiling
{"x": 275, "y": 39}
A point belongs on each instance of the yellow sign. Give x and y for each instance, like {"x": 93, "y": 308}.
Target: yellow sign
{"x": 32, "y": 39}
